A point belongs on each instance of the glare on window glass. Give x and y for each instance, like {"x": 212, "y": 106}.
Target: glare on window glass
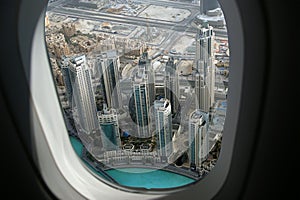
{"x": 143, "y": 86}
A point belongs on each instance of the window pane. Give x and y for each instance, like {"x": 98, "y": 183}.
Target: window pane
{"x": 142, "y": 85}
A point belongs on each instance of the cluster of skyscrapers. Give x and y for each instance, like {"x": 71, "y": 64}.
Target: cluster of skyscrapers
{"x": 81, "y": 96}
{"x": 145, "y": 106}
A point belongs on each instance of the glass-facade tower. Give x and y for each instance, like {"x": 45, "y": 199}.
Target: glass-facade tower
{"x": 108, "y": 65}
{"x": 141, "y": 96}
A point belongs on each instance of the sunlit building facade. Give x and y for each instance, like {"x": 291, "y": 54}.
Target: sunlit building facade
{"x": 205, "y": 63}
{"x": 77, "y": 77}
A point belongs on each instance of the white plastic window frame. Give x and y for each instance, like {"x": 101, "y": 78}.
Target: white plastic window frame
{"x": 64, "y": 173}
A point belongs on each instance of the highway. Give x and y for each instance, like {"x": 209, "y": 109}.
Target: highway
{"x": 54, "y": 4}
{"x": 183, "y": 26}
{"x": 176, "y": 4}
{"x": 138, "y": 21}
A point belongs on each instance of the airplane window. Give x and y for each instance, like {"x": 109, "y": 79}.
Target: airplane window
{"x": 142, "y": 85}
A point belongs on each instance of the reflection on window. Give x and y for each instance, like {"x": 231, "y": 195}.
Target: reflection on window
{"x": 143, "y": 86}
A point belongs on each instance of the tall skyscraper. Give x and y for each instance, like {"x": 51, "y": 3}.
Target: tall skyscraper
{"x": 108, "y": 120}
{"x": 205, "y": 62}
{"x": 141, "y": 96}
{"x": 163, "y": 126}
{"x": 108, "y": 65}
{"x": 198, "y": 138}
{"x": 78, "y": 84}
{"x": 145, "y": 67}
{"x": 202, "y": 99}
{"x": 172, "y": 85}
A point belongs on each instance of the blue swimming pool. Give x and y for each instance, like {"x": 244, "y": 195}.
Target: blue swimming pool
{"x": 140, "y": 177}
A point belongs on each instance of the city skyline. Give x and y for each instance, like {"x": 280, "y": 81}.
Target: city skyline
{"x": 143, "y": 81}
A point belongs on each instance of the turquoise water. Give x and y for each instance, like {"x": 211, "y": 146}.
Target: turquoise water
{"x": 76, "y": 145}
{"x": 148, "y": 178}
{"x": 139, "y": 177}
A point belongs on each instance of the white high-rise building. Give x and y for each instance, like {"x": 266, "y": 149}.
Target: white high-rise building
{"x": 108, "y": 64}
{"x": 163, "y": 126}
{"x": 80, "y": 92}
{"x": 108, "y": 120}
{"x": 205, "y": 61}
{"x": 198, "y": 138}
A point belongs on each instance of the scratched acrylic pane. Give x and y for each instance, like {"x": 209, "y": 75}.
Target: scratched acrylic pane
{"x": 142, "y": 85}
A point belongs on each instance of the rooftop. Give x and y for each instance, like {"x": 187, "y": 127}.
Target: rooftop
{"x": 162, "y": 104}
{"x": 198, "y": 115}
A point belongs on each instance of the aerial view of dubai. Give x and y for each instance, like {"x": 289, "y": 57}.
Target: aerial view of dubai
{"x": 142, "y": 85}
